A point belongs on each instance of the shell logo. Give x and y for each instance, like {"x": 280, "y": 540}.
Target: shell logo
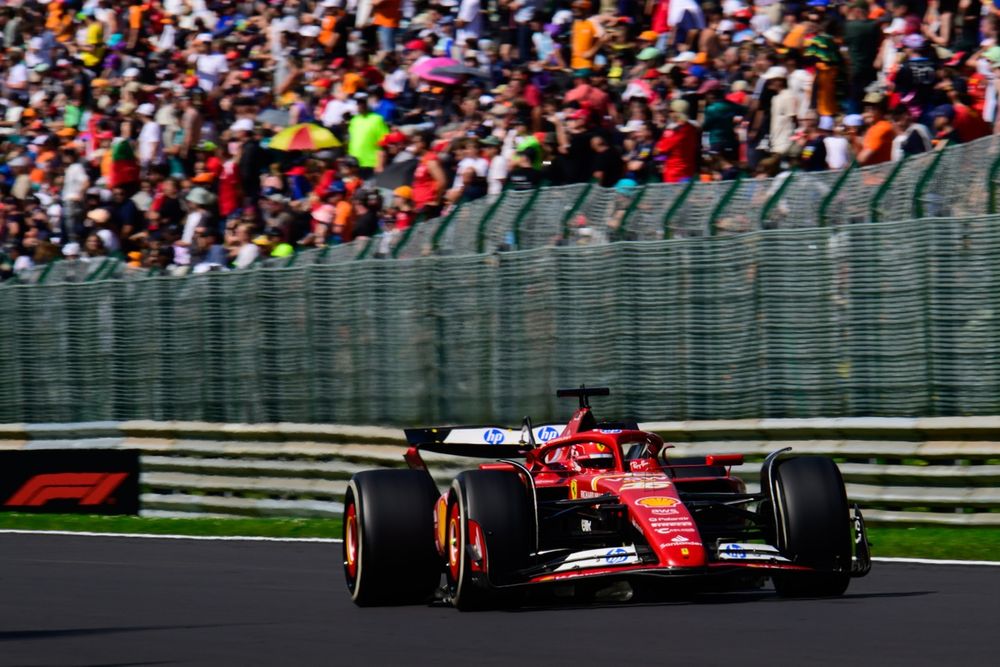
{"x": 657, "y": 501}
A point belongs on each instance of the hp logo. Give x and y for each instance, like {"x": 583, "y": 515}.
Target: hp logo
{"x": 547, "y": 433}
{"x": 736, "y": 551}
{"x": 493, "y": 437}
{"x": 615, "y": 556}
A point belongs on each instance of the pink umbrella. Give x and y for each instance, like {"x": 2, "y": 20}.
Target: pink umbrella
{"x": 423, "y": 70}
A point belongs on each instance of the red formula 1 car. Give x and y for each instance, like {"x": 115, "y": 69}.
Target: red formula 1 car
{"x": 593, "y": 507}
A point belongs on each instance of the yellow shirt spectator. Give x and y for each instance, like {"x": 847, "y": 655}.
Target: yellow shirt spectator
{"x": 584, "y": 38}
{"x": 94, "y": 40}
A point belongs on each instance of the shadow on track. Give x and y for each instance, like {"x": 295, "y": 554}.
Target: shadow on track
{"x": 21, "y": 635}
{"x": 704, "y": 599}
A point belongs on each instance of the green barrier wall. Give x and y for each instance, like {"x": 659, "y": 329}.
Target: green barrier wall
{"x": 896, "y": 318}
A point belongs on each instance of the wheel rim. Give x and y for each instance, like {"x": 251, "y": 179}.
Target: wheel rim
{"x": 351, "y": 543}
{"x": 454, "y": 543}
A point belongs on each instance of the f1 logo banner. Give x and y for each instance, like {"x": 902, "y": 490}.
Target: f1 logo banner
{"x": 63, "y": 481}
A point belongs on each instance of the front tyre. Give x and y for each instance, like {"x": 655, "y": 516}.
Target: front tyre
{"x": 488, "y": 536}
{"x": 388, "y": 550}
{"x": 813, "y": 527}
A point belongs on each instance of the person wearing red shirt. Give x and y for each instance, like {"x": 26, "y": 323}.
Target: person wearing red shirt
{"x": 969, "y": 124}
{"x": 680, "y": 143}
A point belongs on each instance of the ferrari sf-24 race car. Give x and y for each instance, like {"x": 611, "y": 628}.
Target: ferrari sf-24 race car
{"x": 592, "y": 506}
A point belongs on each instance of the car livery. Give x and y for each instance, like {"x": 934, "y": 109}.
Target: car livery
{"x": 593, "y": 504}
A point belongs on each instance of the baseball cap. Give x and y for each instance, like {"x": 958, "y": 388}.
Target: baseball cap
{"x": 146, "y": 109}
{"x": 944, "y": 111}
{"x": 853, "y": 120}
{"x": 404, "y": 191}
{"x": 394, "y": 137}
{"x": 649, "y": 53}
{"x": 242, "y": 125}
{"x": 873, "y": 98}
{"x": 826, "y": 123}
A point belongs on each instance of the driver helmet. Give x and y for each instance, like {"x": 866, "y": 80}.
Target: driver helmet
{"x": 593, "y": 455}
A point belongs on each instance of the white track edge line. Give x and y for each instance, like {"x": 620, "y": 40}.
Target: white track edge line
{"x": 934, "y": 561}
{"x": 154, "y": 536}
{"x": 333, "y": 540}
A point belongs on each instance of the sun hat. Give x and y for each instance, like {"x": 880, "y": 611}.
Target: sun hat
{"x": 775, "y": 72}
{"x": 242, "y": 125}
{"x": 201, "y": 197}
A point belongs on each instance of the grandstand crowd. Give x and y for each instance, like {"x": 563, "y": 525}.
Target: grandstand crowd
{"x": 143, "y": 130}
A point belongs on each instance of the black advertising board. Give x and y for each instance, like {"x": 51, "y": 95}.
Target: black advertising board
{"x": 70, "y": 481}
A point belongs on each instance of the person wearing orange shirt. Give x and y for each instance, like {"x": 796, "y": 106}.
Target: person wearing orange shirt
{"x": 876, "y": 145}
{"x": 387, "y": 16}
{"x": 135, "y": 16}
{"x": 587, "y": 37}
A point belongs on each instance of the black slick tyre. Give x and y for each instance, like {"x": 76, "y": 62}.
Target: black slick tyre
{"x": 813, "y": 527}
{"x": 497, "y": 502}
{"x": 388, "y": 550}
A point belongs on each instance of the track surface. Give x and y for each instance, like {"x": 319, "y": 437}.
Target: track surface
{"x": 120, "y": 601}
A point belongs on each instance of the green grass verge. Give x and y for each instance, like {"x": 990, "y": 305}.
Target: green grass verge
{"x": 948, "y": 542}
{"x": 133, "y": 524}
{"x": 974, "y": 543}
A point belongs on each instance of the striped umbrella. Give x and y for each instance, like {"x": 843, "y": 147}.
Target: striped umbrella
{"x": 304, "y": 137}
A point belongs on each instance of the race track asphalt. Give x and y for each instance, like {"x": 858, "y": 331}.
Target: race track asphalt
{"x": 68, "y": 600}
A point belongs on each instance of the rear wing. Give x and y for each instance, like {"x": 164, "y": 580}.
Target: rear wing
{"x": 480, "y": 441}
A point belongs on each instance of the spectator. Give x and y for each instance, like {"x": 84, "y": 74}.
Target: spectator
{"x": 862, "y": 37}
{"x": 944, "y": 126}
{"x": 876, "y": 145}
{"x": 366, "y": 130}
{"x": 720, "y": 124}
{"x": 606, "y": 163}
{"x": 207, "y": 253}
{"x": 679, "y": 144}
{"x": 812, "y": 144}
{"x": 138, "y": 112}
{"x": 244, "y": 251}
{"x": 783, "y": 111}
{"x": 911, "y": 138}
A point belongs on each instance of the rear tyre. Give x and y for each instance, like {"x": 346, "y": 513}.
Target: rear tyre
{"x": 813, "y": 528}
{"x": 497, "y": 502}
{"x": 389, "y": 553}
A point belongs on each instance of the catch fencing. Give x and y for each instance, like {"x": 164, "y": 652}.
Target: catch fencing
{"x": 890, "y": 319}
{"x": 961, "y": 180}
{"x": 957, "y": 181}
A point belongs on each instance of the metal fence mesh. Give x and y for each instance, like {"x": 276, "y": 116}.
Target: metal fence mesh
{"x": 895, "y": 318}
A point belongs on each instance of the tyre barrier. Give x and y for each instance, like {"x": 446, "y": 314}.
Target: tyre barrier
{"x": 906, "y": 471}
